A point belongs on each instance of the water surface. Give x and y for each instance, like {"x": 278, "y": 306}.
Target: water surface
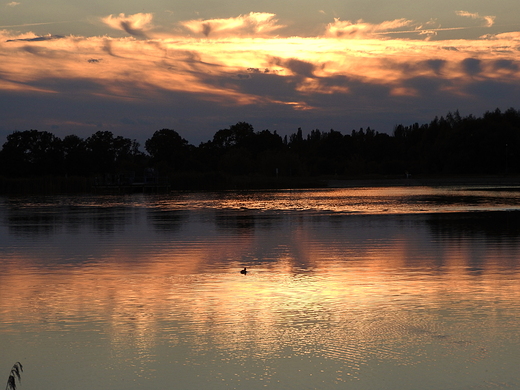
{"x": 365, "y": 288}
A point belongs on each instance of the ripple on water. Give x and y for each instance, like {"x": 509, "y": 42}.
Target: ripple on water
{"x": 152, "y": 292}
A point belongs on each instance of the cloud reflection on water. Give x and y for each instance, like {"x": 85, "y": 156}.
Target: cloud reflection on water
{"x": 326, "y": 291}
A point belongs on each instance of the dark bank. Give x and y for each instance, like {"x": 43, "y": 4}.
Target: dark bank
{"x": 448, "y": 148}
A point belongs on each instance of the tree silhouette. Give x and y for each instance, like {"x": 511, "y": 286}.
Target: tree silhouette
{"x": 31, "y": 153}
{"x": 108, "y": 154}
{"x": 75, "y": 155}
{"x": 167, "y": 149}
{"x": 447, "y": 145}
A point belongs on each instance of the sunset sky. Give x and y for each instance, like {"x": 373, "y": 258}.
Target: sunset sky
{"x": 133, "y": 67}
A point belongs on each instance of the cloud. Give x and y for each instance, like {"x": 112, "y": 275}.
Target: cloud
{"x": 252, "y": 24}
{"x": 364, "y": 30}
{"x": 13, "y": 4}
{"x": 48, "y": 37}
{"x": 136, "y": 25}
{"x": 472, "y": 66}
{"x": 131, "y": 69}
{"x": 509, "y": 36}
{"x": 238, "y": 68}
{"x": 506, "y": 65}
{"x": 296, "y": 66}
{"x": 488, "y": 20}
{"x": 361, "y": 29}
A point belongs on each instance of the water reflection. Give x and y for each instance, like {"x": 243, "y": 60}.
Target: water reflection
{"x": 241, "y": 222}
{"x": 164, "y": 220}
{"x": 386, "y": 300}
{"x": 492, "y": 225}
{"x": 32, "y": 217}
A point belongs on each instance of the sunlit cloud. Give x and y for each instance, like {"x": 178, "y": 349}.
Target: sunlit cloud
{"x": 240, "y": 62}
{"x": 361, "y": 29}
{"x": 488, "y": 20}
{"x": 252, "y": 24}
{"x": 13, "y": 4}
{"x": 509, "y": 36}
{"x": 136, "y": 25}
{"x": 127, "y": 68}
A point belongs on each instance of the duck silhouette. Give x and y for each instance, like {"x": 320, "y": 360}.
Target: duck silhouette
{"x": 244, "y": 271}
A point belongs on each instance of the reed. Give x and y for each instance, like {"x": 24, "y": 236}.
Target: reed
{"x": 13, "y": 376}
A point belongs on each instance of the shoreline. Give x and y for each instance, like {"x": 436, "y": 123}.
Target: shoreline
{"x": 428, "y": 181}
{"x": 77, "y": 185}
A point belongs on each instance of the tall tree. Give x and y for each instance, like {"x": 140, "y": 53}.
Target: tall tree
{"x": 31, "y": 153}
{"x": 75, "y": 155}
{"x": 107, "y": 153}
{"x": 167, "y": 149}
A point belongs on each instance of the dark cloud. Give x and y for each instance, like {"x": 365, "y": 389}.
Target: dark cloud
{"x": 435, "y": 64}
{"x": 427, "y": 86}
{"x": 136, "y": 32}
{"x": 471, "y": 66}
{"x": 135, "y": 24}
{"x": 79, "y": 89}
{"x": 257, "y": 70}
{"x": 70, "y": 112}
{"x": 37, "y": 39}
{"x": 299, "y": 67}
{"x": 409, "y": 69}
{"x": 206, "y": 29}
{"x": 506, "y": 64}
{"x": 502, "y": 93}
{"x": 38, "y": 51}
{"x": 269, "y": 85}
{"x": 107, "y": 47}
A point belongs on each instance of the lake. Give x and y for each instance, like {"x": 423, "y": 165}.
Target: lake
{"x": 348, "y": 288}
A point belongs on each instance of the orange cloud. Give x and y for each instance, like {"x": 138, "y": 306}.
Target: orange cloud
{"x": 136, "y": 25}
{"x": 488, "y": 20}
{"x": 293, "y": 69}
{"x": 509, "y": 36}
{"x": 360, "y": 29}
{"x": 254, "y": 23}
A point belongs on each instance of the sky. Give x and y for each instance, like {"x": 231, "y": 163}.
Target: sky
{"x": 134, "y": 67}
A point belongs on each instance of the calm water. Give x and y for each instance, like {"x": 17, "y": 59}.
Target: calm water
{"x": 366, "y": 288}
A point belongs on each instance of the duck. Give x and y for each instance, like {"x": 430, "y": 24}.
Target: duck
{"x": 244, "y": 271}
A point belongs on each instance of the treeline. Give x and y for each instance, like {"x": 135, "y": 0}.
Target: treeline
{"x": 240, "y": 155}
